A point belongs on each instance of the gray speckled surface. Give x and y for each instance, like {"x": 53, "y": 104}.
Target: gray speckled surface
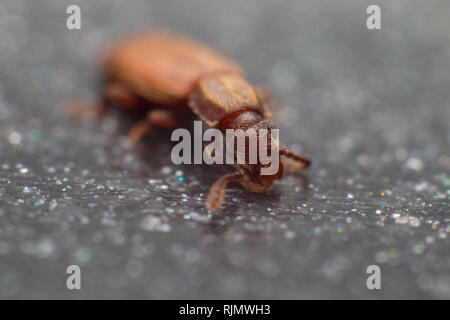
{"x": 372, "y": 108}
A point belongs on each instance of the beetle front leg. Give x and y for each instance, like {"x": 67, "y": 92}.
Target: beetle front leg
{"x": 154, "y": 118}
{"x": 217, "y": 191}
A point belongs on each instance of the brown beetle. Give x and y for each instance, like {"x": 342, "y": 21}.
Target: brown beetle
{"x": 168, "y": 73}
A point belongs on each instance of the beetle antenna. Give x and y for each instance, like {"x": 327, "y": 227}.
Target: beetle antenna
{"x": 296, "y": 157}
{"x": 217, "y": 191}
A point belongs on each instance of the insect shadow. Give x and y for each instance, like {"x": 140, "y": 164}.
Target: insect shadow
{"x": 221, "y": 223}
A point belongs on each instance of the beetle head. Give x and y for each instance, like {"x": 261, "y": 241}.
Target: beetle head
{"x": 259, "y": 176}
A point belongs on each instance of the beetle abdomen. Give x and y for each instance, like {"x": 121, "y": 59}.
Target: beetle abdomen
{"x": 164, "y": 68}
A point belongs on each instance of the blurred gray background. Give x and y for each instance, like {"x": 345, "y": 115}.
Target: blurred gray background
{"x": 371, "y": 107}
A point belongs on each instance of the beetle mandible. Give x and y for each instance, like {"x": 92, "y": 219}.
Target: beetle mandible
{"x": 167, "y": 74}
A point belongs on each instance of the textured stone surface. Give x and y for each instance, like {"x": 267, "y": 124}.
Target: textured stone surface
{"x": 372, "y": 108}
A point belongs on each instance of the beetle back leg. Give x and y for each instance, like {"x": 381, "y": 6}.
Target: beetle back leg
{"x": 113, "y": 93}
{"x": 154, "y": 118}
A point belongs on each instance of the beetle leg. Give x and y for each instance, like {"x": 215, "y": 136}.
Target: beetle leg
{"x": 217, "y": 190}
{"x": 154, "y": 118}
{"x": 264, "y": 94}
{"x": 116, "y": 93}
{"x": 76, "y": 109}
{"x": 294, "y": 162}
{"x": 113, "y": 93}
